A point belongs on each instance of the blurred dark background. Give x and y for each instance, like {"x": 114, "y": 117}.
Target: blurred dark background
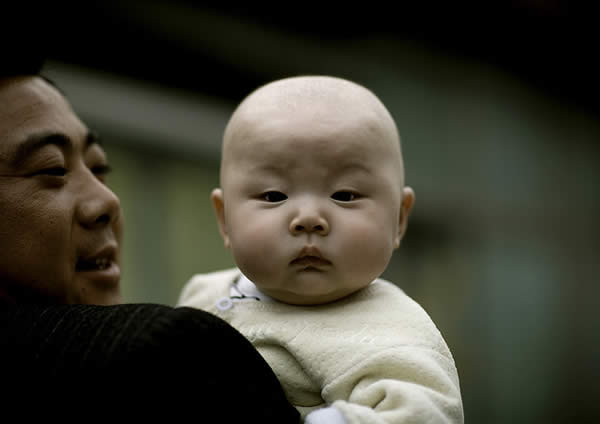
{"x": 228, "y": 50}
{"x": 497, "y": 106}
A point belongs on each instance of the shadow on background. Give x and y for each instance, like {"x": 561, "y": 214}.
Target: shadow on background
{"x": 497, "y": 107}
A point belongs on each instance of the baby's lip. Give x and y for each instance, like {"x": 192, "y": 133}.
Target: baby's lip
{"x": 310, "y": 256}
{"x": 310, "y": 261}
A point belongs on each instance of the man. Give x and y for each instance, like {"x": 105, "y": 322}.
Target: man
{"x": 67, "y": 349}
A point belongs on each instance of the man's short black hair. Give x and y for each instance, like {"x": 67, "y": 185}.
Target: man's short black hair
{"x": 21, "y": 65}
{"x": 29, "y": 66}
{"x": 26, "y": 35}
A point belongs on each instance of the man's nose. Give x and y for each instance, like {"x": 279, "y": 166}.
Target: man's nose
{"x": 98, "y": 205}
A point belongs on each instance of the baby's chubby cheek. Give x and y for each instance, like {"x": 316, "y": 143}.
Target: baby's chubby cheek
{"x": 367, "y": 251}
{"x": 257, "y": 252}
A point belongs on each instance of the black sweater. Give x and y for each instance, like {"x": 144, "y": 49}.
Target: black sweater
{"x": 139, "y": 361}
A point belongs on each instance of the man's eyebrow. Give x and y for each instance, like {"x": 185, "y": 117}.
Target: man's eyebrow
{"x": 92, "y": 138}
{"x": 37, "y": 141}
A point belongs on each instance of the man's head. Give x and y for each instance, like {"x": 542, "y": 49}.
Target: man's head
{"x": 61, "y": 226}
{"x": 312, "y": 200}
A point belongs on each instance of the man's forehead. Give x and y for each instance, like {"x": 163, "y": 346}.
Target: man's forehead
{"x": 34, "y": 108}
{"x": 25, "y": 88}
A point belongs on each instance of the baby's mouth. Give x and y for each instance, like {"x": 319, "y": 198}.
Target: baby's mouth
{"x": 310, "y": 256}
{"x": 310, "y": 261}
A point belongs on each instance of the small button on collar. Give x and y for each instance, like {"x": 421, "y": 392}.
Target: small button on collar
{"x": 224, "y": 304}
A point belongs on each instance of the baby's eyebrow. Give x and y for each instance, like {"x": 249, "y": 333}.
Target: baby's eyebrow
{"x": 355, "y": 166}
{"x": 272, "y": 168}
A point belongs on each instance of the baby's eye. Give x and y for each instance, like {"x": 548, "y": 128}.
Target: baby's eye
{"x": 344, "y": 196}
{"x": 273, "y": 196}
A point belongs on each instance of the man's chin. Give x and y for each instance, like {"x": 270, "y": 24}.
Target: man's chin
{"x": 100, "y": 298}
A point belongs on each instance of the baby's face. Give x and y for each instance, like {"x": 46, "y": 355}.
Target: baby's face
{"x": 311, "y": 202}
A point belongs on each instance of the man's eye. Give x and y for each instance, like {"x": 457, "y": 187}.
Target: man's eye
{"x": 101, "y": 169}
{"x": 344, "y": 196}
{"x": 273, "y": 196}
{"x": 57, "y": 171}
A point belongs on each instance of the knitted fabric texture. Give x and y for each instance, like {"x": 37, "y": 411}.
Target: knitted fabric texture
{"x": 375, "y": 355}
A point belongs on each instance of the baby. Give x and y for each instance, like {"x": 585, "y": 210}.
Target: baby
{"x": 312, "y": 205}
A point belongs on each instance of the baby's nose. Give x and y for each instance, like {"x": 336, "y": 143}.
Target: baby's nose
{"x": 309, "y": 223}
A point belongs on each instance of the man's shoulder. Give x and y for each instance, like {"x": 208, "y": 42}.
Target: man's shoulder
{"x": 150, "y": 351}
{"x": 74, "y": 340}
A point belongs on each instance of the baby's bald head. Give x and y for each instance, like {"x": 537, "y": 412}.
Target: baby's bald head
{"x": 312, "y": 104}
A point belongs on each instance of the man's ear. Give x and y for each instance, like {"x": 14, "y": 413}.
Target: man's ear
{"x": 408, "y": 201}
{"x": 216, "y": 197}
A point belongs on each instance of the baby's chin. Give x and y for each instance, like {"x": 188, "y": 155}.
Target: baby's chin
{"x": 304, "y": 299}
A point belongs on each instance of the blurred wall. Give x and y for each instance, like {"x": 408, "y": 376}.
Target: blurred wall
{"x": 502, "y": 245}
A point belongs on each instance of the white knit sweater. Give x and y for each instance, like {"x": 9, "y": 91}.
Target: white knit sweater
{"x": 375, "y": 356}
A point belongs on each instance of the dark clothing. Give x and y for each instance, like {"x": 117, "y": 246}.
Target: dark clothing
{"x": 133, "y": 360}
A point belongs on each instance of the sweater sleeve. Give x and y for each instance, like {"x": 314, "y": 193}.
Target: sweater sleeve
{"x": 400, "y": 385}
{"x": 379, "y": 358}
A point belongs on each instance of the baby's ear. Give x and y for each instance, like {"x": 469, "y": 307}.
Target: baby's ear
{"x": 216, "y": 197}
{"x": 408, "y": 201}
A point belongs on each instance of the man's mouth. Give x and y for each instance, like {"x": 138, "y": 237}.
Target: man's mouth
{"x": 99, "y": 267}
{"x": 99, "y": 260}
{"x": 93, "y": 264}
